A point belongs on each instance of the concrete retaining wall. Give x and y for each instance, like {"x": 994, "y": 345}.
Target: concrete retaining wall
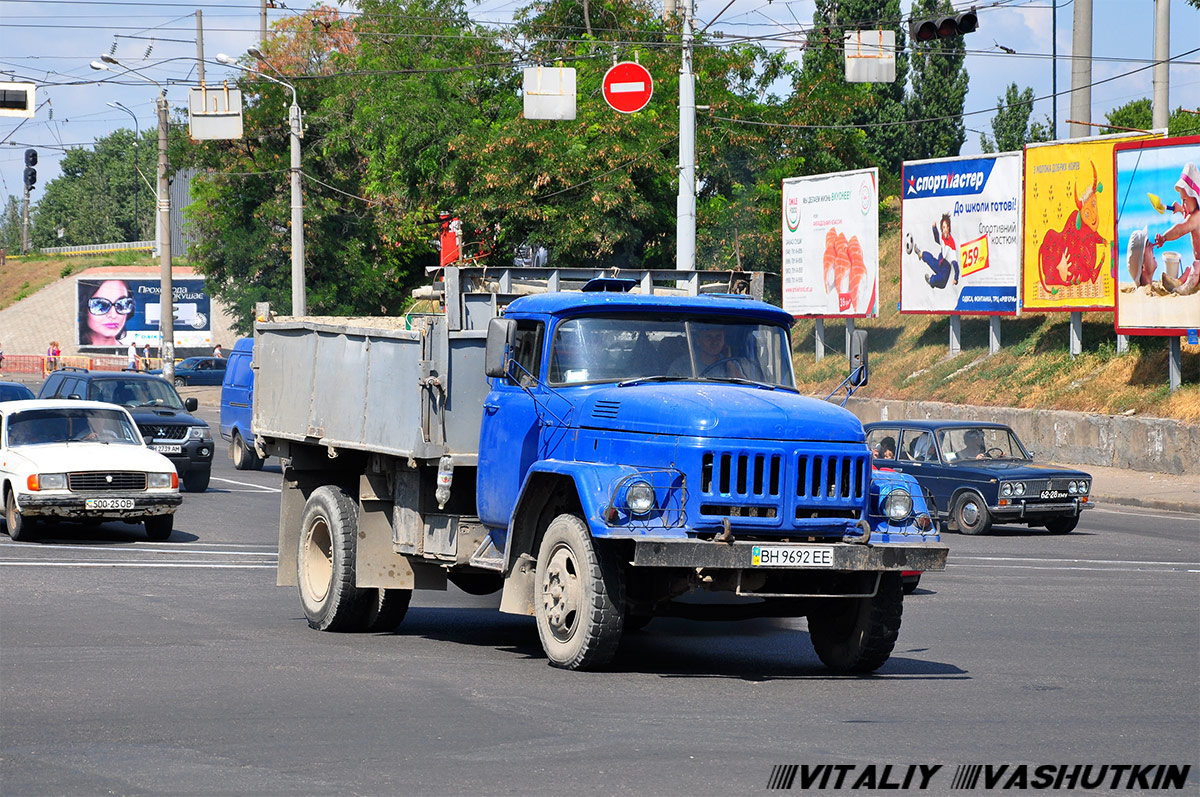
{"x": 1157, "y": 445}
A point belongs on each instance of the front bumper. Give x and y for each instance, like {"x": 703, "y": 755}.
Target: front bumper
{"x": 195, "y": 454}
{"x": 73, "y": 506}
{"x": 1025, "y": 511}
{"x": 846, "y": 557}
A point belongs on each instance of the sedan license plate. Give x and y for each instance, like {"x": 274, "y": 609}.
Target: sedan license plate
{"x": 792, "y": 556}
{"x": 168, "y": 448}
{"x": 1054, "y": 494}
{"x": 108, "y": 503}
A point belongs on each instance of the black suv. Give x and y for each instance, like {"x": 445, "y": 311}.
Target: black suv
{"x": 161, "y": 416}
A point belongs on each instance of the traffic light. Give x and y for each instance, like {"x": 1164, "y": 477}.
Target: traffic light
{"x": 926, "y": 30}
{"x": 30, "y": 172}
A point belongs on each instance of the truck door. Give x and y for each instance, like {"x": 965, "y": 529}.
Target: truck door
{"x": 509, "y": 432}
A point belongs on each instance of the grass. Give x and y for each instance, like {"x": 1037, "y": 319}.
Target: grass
{"x": 22, "y": 277}
{"x": 909, "y": 359}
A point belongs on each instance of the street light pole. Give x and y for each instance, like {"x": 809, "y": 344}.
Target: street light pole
{"x": 137, "y": 135}
{"x": 166, "y": 303}
{"x": 296, "y": 128}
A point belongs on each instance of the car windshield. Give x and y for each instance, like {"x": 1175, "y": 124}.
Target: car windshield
{"x": 71, "y": 425}
{"x": 969, "y": 444}
{"x": 152, "y": 392}
{"x": 625, "y": 348}
{"x": 14, "y": 392}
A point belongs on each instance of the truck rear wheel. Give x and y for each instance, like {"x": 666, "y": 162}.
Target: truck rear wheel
{"x": 325, "y": 561}
{"x": 857, "y": 634}
{"x": 580, "y": 600}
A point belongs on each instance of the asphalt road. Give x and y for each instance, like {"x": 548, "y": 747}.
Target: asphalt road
{"x": 132, "y": 667}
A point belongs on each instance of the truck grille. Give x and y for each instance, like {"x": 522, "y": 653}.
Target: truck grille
{"x": 760, "y": 486}
{"x": 96, "y": 482}
{"x": 163, "y": 432}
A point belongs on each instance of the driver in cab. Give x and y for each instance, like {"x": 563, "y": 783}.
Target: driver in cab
{"x": 713, "y": 356}
{"x": 973, "y": 447}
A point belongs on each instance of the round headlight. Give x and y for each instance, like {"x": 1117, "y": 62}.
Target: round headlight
{"x": 898, "y": 505}
{"x": 1006, "y": 490}
{"x": 1072, "y": 488}
{"x": 640, "y": 498}
{"x": 1083, "y": 488}
{"x": 1020, "y": 488}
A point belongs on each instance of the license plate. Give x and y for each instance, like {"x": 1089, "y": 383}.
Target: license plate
{"x": 1054, "y": 494}
{"x": 792, "y": 556}
{"x": 108, "y": 503}
{"x": 168, "y": 448}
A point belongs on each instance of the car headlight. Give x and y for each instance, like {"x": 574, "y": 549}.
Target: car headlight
{"x": 162, "y": 479}
{"x": 898, "y": 505}
{"x": 639, "y": 497}
{"x": 1072, "y": 488}
{"x": 1006, "y": 489}
{"x": 1083, "y": 488}
{"x": 199, "y": 433}
{"x": 1019, "y": 488}
{"x": 46, "y": 481}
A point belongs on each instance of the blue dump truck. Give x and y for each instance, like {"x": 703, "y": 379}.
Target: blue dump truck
{"x": 601, "y": 451}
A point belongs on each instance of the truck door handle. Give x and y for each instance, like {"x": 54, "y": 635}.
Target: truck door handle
{"x": 491, "y": 408}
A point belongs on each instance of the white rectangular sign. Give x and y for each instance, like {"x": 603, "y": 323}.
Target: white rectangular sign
{"x": 214, "y": 113}
{"x": 870, "y": 56}
{"x": 831, "y": 244}
{"x": 549, "y": 92}
{"x": 961, "y": 225}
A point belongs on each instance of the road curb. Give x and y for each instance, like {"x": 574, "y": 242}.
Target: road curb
{"x": 1186, "y": 507}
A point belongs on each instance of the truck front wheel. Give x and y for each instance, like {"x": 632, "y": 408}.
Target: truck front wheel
{"x": 580, "y": 598}
{"x": 857, "y": 634}
{"x": 325, "y": 561}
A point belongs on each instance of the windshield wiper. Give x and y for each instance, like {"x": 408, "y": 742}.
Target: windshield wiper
{"x": 658, "y": 378}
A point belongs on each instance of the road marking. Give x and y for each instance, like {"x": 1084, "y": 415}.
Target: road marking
{"x": 257, "y": 487}
{"x": 1179, "y": 569}
{"x": 126, "y": 549}
{"x": 1072, "y": 561}
{"x": 183, "y": 565}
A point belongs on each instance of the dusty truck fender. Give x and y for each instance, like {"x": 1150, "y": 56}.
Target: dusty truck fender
{"x": 552, "y": 487}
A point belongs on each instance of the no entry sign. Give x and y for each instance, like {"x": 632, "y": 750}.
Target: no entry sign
{"x": 628, "y": 87}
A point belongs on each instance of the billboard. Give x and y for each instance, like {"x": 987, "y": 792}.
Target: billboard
{"x": 1068, "y": 248}
{"x": 831, "y": 244}
{"x": 1155, "y": 197}
{"x": 961, "y": 233}
{"x": 116, "y": 311}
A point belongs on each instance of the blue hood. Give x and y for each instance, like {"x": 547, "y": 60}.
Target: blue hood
{"x": 1010, "y": 470}
{"x": 697, "y": 409}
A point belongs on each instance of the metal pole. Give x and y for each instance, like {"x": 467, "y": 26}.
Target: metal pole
{"x": 1162, "y": 70}
{"x": 1081, "y": 69}
{"x": 299, "y": 298}
{"x": 200, "y": 45}
{"x": 1173, "y": 357}
{"x": 955, "y": 335}
{"x": 994, "y": 334}
{"x": 25, "y": 223}
{"x": 819, "y": 336}
{"x": 1053, "y": 70}
{"x": 849, "y": 334}
{"x": 262, "y": 22}
{"x": 166, "y": 296}
{"x": 685, "y": 223}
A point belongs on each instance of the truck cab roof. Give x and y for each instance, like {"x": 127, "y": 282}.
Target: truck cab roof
{"x": 571, "y": 303}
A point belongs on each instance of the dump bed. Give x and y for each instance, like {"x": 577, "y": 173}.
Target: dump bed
{"x": 402, "y": 386}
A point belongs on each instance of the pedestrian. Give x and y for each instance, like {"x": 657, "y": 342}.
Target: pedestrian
{"x": 146, "y": 355}
{"x": 52, "y": 355}
{"x": 1, "y": 353}
{"x": 217, "y": 352}
{"x": 133, "y": 356}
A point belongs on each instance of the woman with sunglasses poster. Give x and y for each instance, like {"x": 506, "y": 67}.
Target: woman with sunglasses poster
{"x": 104, "y": 312}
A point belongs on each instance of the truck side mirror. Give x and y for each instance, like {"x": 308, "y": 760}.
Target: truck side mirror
{"x": 501, "y": 334}
{"x": 858, "y": 357}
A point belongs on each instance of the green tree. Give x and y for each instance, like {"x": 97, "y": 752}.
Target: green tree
{"x": 10, "y": 226}
{"x": 939, "y": 89}
{"x": 1139, "y": 115}
{"x": 95, "y": 198}
{"x": 1011, "y": 128}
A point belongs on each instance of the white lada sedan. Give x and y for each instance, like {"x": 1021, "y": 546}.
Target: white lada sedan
{"x": 81, "y": 461}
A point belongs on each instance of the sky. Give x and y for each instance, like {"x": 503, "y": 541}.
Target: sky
{"x": 52, "y": 43}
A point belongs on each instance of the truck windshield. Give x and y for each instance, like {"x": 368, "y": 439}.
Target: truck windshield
{"x": 620, "y": 348}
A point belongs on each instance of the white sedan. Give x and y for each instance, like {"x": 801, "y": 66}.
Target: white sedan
{"x": 82, "y": 461}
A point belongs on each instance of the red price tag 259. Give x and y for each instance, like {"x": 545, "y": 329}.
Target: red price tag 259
{"x": 973, "y": 255}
